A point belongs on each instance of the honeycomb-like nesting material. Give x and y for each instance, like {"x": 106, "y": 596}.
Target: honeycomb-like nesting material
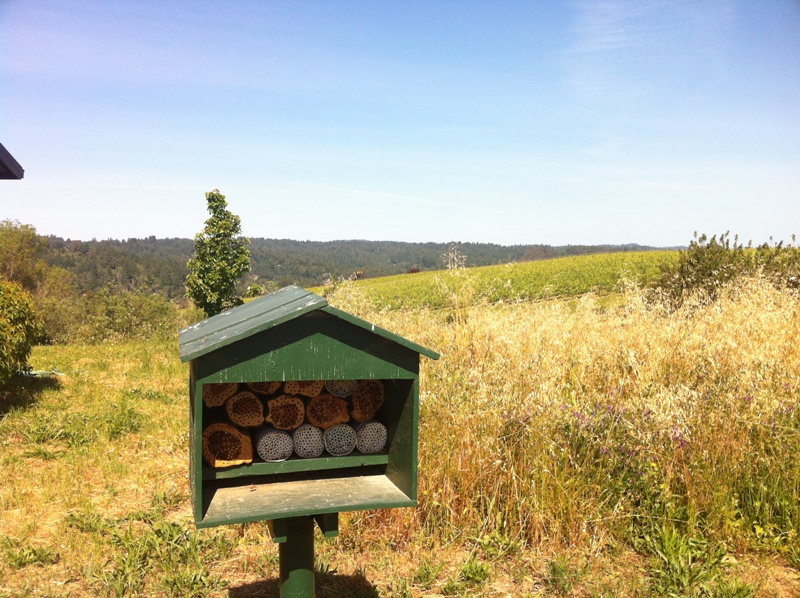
{"x": 371, "y": 437}
{"x": 286, "y": 413}
{"x": 224, "y": 445}
{"x": 215, "y": 395}
{"x": 367, "y": 399}
{"x": 273, "y": 445}
{"x": 266, "y": 388}
{"x": 327, "y": 410}
{"x": 303, "y": 387}
{"x": 341, "y": 388}
{"x": 340, "y": 440}
{"x": 308, "y": 441}
{"x": 245, "y": 409}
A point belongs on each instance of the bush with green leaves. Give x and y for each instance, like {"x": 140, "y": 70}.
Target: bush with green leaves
{"x": 710, "y": 263}
{"x": 114, "y": 316}
{"x": 21, "y": 251}
{"x": 19, "y": 328}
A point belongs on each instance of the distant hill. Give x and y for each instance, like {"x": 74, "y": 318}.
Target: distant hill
{"x": 159, "y": 265}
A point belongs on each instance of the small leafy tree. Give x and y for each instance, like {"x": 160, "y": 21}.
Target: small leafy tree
{"x": 19, "y": 328}
{"x": 220, "y": 259}
{"x": 21, "y": 250}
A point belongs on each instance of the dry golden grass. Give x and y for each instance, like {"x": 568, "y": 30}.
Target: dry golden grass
{"x": 567, "y": 425}
{"x": 561, "y": 443}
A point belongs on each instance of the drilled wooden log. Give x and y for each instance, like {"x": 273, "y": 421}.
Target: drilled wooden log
{"x": 266, "y": 388}
{"x": 215, "y": 395}
{"x": 327, "y": 410}
{"x": 367, "y": 400}
{"x": 245, "y": 409}
{"x": 224, "y": 445}
{"x": 286, "y": 413}
{"x": 303, "y": 387}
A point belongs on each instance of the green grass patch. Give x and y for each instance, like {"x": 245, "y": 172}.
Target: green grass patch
{"x": 562, "y": 277}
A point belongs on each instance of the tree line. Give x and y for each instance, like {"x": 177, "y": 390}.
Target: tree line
{"x": 160, "y": 265}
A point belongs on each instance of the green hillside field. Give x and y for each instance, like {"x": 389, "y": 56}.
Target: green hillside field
{"x": 560, "y": 277}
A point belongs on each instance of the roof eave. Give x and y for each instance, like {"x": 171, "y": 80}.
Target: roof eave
{"x": 214, "y": 333}
{"x": 286, "y": 304}
{"x": 9, "y": 167}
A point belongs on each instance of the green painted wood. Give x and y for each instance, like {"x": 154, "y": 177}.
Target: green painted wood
{"x": 278, "y": 528}
{"x": 311, "y": 347}
{"x": 294, "y": 335}
{"x": 196, "y": 442}
{"x": 294, "y": 465}
{"x": 328, "y": 523}
{"x": 259, "y": 502}
{"x": 245, "y": 320}
{"x": 297, "y": 559}
{"x": 402, "y": 413}
{"x": 270, "y": 307}
{"x": 266, "y": 312}
{"x": 380, "y": 332}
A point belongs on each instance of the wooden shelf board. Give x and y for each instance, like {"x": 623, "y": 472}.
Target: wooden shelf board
{"x": 258, "y": 502}
{"x": 294, "y": 465}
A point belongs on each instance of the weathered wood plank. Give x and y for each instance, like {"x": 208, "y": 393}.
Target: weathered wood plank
{"x": 245, "y": 320}
{"x": 266, "y": 312}
{"x": 242, "y": 504}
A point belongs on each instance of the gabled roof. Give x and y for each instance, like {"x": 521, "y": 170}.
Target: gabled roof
{"x": 9, "y": 167}
{"x": 267, "y": 312}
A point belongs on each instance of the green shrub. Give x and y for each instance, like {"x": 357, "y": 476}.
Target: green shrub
{"x": 18, "y": 329}
{"x": 220, "y": 259}
{"x": 59, "y": 304}
{"x": 21, "y": 250}
{"x": 113, "y": 316}
{"x": 708, "y": 264}
{"x": 105, "y": 315}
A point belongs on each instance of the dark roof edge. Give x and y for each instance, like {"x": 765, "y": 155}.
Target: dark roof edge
{"x": 9, "y": 167}
{"x": 193, "y": 345}
{"x": 267, "y": 312}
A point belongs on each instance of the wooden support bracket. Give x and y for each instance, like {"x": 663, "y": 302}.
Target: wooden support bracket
{"x": 328, "y": 523}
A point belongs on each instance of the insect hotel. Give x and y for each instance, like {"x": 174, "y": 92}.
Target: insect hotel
{"x": 299, "y": 411}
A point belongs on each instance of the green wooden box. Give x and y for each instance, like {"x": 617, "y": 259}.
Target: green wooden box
{"x": 293, "y": 334}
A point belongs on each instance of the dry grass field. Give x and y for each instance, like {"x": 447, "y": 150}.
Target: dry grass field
{"x": 569, "y": 447}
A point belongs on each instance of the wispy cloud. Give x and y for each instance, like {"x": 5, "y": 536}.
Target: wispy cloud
{"x": 625, "y": 51}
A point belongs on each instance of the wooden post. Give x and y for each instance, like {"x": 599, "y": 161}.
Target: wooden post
{"x": 297, "y": 558}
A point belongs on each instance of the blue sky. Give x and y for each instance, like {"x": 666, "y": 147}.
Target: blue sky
{"x": 574, "y": 122}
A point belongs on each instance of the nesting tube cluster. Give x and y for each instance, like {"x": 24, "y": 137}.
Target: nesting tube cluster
{"x": 308, "y": 441}
{"x": 275, "y": 421}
